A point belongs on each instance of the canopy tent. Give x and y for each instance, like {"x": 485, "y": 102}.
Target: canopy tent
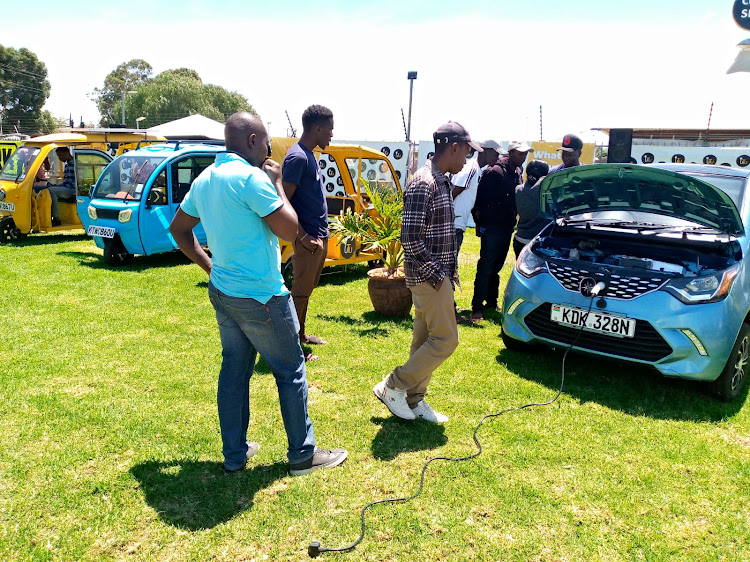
{"x": 193, "y": 127}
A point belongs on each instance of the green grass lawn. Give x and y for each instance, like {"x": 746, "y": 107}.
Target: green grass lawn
{"x": 111, "y": 450}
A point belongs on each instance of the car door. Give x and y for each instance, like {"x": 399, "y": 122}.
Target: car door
{"x": 183, "y": 173}
{"x": 89, "y": 166}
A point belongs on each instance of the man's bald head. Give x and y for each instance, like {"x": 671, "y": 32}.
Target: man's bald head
{"x": 246, "y": 135}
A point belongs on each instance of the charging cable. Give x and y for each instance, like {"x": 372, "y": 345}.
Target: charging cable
{"x": 315, "y": 550}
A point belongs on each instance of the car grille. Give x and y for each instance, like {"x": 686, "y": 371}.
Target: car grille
{"x": 107, "y": 213}
{"x": 646, "y": 345}
{"x": 623, "y": 287}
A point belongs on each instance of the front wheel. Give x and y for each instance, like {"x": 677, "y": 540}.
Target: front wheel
{"x": 733, "y": 378}
{"x": 115, "y": 253}
{"x": 7, "y": 229}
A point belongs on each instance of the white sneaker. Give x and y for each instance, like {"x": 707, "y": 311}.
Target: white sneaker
{"x": 425, "y": 411}
{"x": 394, "y": 399}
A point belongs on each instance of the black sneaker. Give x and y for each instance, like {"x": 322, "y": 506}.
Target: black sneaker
{"x": 323, "y": 458}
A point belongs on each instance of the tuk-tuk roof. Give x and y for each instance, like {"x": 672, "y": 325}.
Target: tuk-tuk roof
{"x": 101, "y": 135}
{"x": 366, "y": 151}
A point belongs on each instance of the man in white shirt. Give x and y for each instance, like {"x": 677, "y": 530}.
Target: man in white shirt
{"x": 465, "y": 184}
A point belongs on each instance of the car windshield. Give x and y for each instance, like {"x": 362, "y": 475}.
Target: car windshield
{"x": 731, "y": 185}
{"x": 126, "y": 177}
{"x": 17, "y": 166}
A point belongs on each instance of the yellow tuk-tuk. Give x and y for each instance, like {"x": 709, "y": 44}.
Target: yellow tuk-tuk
{"x": 342, "y": 166}
{"x": 24, "y": 209}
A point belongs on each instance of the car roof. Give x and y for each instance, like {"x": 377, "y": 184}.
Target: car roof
{"x": 170, "y": 149}
{"x": 705, "y": 169}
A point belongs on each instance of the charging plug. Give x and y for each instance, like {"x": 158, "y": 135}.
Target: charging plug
{"x": 313, "y": 551}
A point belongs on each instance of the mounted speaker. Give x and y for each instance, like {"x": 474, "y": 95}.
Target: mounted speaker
{"x": 620, "y": 145}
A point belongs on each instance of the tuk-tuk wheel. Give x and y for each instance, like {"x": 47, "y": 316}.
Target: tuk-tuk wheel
{"x": 287, "y": 272}
{"x": 8, "y": 230}
{"x": 115, "y": 253}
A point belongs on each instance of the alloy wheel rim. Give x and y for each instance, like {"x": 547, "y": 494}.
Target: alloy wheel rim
{"x": 743, "y": 355}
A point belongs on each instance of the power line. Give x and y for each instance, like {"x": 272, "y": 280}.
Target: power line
{"x": 23, "y": 71}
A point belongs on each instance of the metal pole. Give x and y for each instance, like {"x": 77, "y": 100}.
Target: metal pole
{"x": 412, "y": 75}
{"x": 123, "y": 108}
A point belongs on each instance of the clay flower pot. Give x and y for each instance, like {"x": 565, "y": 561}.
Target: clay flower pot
{"x": 389, "y": 294}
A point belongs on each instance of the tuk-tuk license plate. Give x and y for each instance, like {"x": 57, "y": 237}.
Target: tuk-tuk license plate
{"x": 103, "y": 231}
{"x": 609, "y": 324}
{"x": 7, "y": 206}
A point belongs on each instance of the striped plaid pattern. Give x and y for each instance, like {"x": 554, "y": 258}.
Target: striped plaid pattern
{"x": 428, "y": 234}
{"x": 69, "y": 174}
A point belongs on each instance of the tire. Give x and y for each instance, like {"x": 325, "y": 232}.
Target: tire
{"x": 115, "y": 253}
{"x": 7, "y": 228}
{"x": 514, "y": 344}
{"x": 287, "y": 272}
{"x": 733, "y": 378}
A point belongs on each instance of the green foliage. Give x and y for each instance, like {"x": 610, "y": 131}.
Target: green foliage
{"x": 180, "y": 93}
{"x": 379, "y": 232}
{"x": 47, "y": 123}
{"x": 24, "y": 89}
{"x": 128, "y": 76}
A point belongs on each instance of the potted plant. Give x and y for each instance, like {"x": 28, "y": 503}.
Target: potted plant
{"x": 379, "y": 231}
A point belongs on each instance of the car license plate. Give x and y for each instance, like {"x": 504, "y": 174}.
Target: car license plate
{"x": 7, "y": 206}
{"x": 600, "y": 322}
{"x": 103, "y": 231}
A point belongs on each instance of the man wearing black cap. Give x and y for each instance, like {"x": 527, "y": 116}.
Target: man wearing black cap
{"x": 495, "y": 217}
{"x": 570, "y": 152}
{"x": 428, "y": 237}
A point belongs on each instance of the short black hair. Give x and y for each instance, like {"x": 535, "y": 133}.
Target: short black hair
{"x": 316, "y": 115}
{"x": 536, "y": 169}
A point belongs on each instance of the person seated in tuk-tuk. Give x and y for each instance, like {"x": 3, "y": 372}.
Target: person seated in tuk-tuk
{"x": 67, "y": 189}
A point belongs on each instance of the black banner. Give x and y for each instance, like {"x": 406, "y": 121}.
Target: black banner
{"x": 741, "y": 12}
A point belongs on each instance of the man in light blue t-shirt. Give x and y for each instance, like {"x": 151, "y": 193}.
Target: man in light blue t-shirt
{"x": 242, "y": 206}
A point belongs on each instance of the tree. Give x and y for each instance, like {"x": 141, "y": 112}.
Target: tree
{"x": 24, "y": 89}
{"x": 180, "y": 93}
{"x": 128, "y": 76}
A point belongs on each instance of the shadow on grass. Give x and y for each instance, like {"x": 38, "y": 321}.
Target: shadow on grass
{"x": 198, "y": 495}
{"x": 139, "y": 263}
{"x": 45, "y": 239}
{"x": 630, "y": 388}
{"x": 370, "y": 324}
{"x": 400, "y": 436}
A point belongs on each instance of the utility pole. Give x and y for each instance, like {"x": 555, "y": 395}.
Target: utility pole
{"x": 294, "y": 131}
{"x": 411, "y": 76}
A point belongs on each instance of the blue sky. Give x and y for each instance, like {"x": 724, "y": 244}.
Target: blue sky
{"x": 488, "y": 65}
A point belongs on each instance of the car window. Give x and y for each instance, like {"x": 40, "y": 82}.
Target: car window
{"x": 158, "y": 193}
{"x": 125, "y": 177}
{"x": 17, "y": 166}
{"x": 88, "y": 169}
{"x": 184, "y": 173}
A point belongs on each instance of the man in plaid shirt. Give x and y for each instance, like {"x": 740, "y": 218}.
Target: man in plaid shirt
{"x": 428, "y": 236}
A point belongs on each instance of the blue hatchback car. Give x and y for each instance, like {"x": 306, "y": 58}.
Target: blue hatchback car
{"x": 644, "y": 264}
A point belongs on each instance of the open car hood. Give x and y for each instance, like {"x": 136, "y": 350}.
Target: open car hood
{"x": 625, "y": 187}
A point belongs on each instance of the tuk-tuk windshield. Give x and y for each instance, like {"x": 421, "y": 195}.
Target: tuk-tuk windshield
{"x": 126, "y": 177}
{"x": 374, "y": 170}
{"x": 17, "y": 166}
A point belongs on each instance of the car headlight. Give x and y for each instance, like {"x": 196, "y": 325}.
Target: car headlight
{"x": 2, "y": 195}
{"x": 705, "y": 289}
{"x": 529, "y": 264}
{"x": 124, "y": 215}
{"x": 92, "y": 213}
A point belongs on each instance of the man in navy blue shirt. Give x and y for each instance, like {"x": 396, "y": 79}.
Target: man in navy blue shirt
{"x": 303, "y": 185}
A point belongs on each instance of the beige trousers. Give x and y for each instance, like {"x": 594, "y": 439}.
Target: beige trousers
{"x": 434, "y": 340}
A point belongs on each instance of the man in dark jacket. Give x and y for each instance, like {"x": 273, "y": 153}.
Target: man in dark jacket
{"x": 495, "y": 217}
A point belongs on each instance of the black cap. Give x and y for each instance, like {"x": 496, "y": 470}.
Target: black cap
{"x": 571, "y": 143}
{"x": 454, "y": 132}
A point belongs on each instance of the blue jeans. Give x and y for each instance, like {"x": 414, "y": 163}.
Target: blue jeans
{"x": 248, "y": 327}
{"x": 493, "y": 250}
